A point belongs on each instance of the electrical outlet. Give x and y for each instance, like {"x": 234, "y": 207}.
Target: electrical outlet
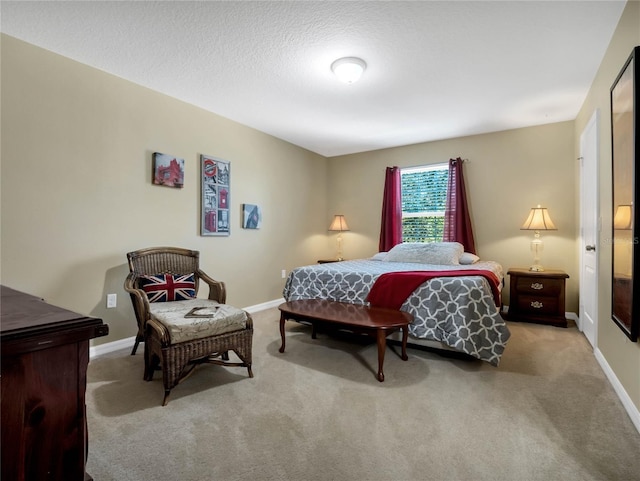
{"x": 111, "y": 300}
{"x": 284, "y": 273}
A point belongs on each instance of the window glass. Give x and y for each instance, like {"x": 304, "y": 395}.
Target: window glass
{"x": 424, "y": 197}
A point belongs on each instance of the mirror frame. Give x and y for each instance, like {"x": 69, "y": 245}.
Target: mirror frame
{"x": 625, "y": 156}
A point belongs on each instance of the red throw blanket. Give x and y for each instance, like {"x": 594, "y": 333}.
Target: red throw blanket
{"x": 392, "y": 288}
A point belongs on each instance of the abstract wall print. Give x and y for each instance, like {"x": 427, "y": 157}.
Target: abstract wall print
{"x": 216, "y": 200}
{"x": 168, "y": 170}
{"x": 251, "y": 216}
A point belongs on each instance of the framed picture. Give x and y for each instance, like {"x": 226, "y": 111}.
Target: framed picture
{"x": 251, "y": 216}
{"x": 625, "y": 156}
{"x": 168, "y": 170}
{"x": 216, "y": 196}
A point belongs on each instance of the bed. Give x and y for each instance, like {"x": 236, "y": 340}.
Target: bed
{"x": 456, "y": 303}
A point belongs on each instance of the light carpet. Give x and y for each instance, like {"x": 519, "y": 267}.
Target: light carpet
{"x": 317, "y": 412}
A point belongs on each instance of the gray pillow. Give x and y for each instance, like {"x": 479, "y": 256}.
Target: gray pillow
{"x": 468, "y": 258}
{"x": 440, "y": 253}
{"x": 380, "y": 256}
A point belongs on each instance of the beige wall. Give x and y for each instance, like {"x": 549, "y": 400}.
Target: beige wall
{"x": 77, "y": 193}
{"x": 622, "y": 355}
{"x": 508, "y": 173}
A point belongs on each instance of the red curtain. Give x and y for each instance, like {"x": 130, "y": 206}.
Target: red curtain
{"x": 457, "y": 221}
{"x": 391, "y": 228}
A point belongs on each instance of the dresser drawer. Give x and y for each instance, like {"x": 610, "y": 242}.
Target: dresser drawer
{"x": 537, "y": 305}
{"x": 540, "y": 287}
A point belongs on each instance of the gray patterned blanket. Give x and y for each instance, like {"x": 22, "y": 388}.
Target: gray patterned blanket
{"x": 457, "y": 311}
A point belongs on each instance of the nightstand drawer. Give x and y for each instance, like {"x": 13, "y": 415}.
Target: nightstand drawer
{"x": 537, "y": 305}
{"x": 538, "y": 286}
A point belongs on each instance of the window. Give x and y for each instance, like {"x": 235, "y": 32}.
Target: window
{"x": 424, "y": 197}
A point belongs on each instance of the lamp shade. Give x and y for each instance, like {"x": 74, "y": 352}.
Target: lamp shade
{"x": 538, "y": 219}
{"x": 622, "y": 218}
{"x": 348, "y": 69}
{"x": 339, "y": 224}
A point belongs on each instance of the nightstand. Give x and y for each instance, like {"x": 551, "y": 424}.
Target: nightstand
{"x": 537, "y": 296}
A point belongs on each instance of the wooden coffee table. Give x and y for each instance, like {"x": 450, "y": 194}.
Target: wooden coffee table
{"x": 374, "y": 321}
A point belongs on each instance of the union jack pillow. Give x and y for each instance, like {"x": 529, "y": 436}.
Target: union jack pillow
{"x": 167, "y": 287}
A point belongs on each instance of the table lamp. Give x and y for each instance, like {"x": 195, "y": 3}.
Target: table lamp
{"x": 339, "y": 225}
{"x": 538, "y": 220}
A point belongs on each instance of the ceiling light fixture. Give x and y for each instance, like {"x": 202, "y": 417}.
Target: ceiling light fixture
{"x": 348, "y": 69}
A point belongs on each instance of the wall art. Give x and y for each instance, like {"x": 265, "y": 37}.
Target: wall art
{"x": 168, "y": 170}
{"x": 216, "y": 196}
{"x": 251, "y": 216}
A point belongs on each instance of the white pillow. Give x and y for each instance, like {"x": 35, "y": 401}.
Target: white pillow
{"x": 380, "y": 256}
{"x": 468, "y": 258}
{"x": 441, "y": 253}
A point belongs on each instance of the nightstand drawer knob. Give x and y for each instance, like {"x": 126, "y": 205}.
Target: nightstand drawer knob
{"x": 537, "y": 286}
{"x": 536, "y": 304}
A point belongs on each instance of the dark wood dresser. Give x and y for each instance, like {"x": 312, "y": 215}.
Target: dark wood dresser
{"x": 45, "y": 353}
{"x": 537, "y": 296}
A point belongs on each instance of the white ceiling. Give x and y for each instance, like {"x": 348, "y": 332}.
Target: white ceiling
{"x": 435, "y": 70}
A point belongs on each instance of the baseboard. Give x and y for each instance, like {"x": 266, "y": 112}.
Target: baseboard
{"x": 574, "y": 317}
{"x": 107, "y": 347}
{"x": 264, "y": 306}
{"x": 631, "y": 408}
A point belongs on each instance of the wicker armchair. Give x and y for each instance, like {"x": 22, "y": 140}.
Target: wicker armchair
{"x": 178, "y": 359}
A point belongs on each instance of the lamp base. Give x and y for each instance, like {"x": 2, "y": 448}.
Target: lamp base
{"x": 536, "y": 248}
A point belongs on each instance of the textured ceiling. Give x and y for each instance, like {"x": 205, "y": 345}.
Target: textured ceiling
{"x": 435, "y": 69}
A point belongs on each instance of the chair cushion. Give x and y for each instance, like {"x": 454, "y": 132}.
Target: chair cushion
{"x": 168, "y": 287}
{"x": 225, "y": 318}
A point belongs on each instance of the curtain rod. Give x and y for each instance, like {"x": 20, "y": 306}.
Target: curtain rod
{"x": 464, "y": 161}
